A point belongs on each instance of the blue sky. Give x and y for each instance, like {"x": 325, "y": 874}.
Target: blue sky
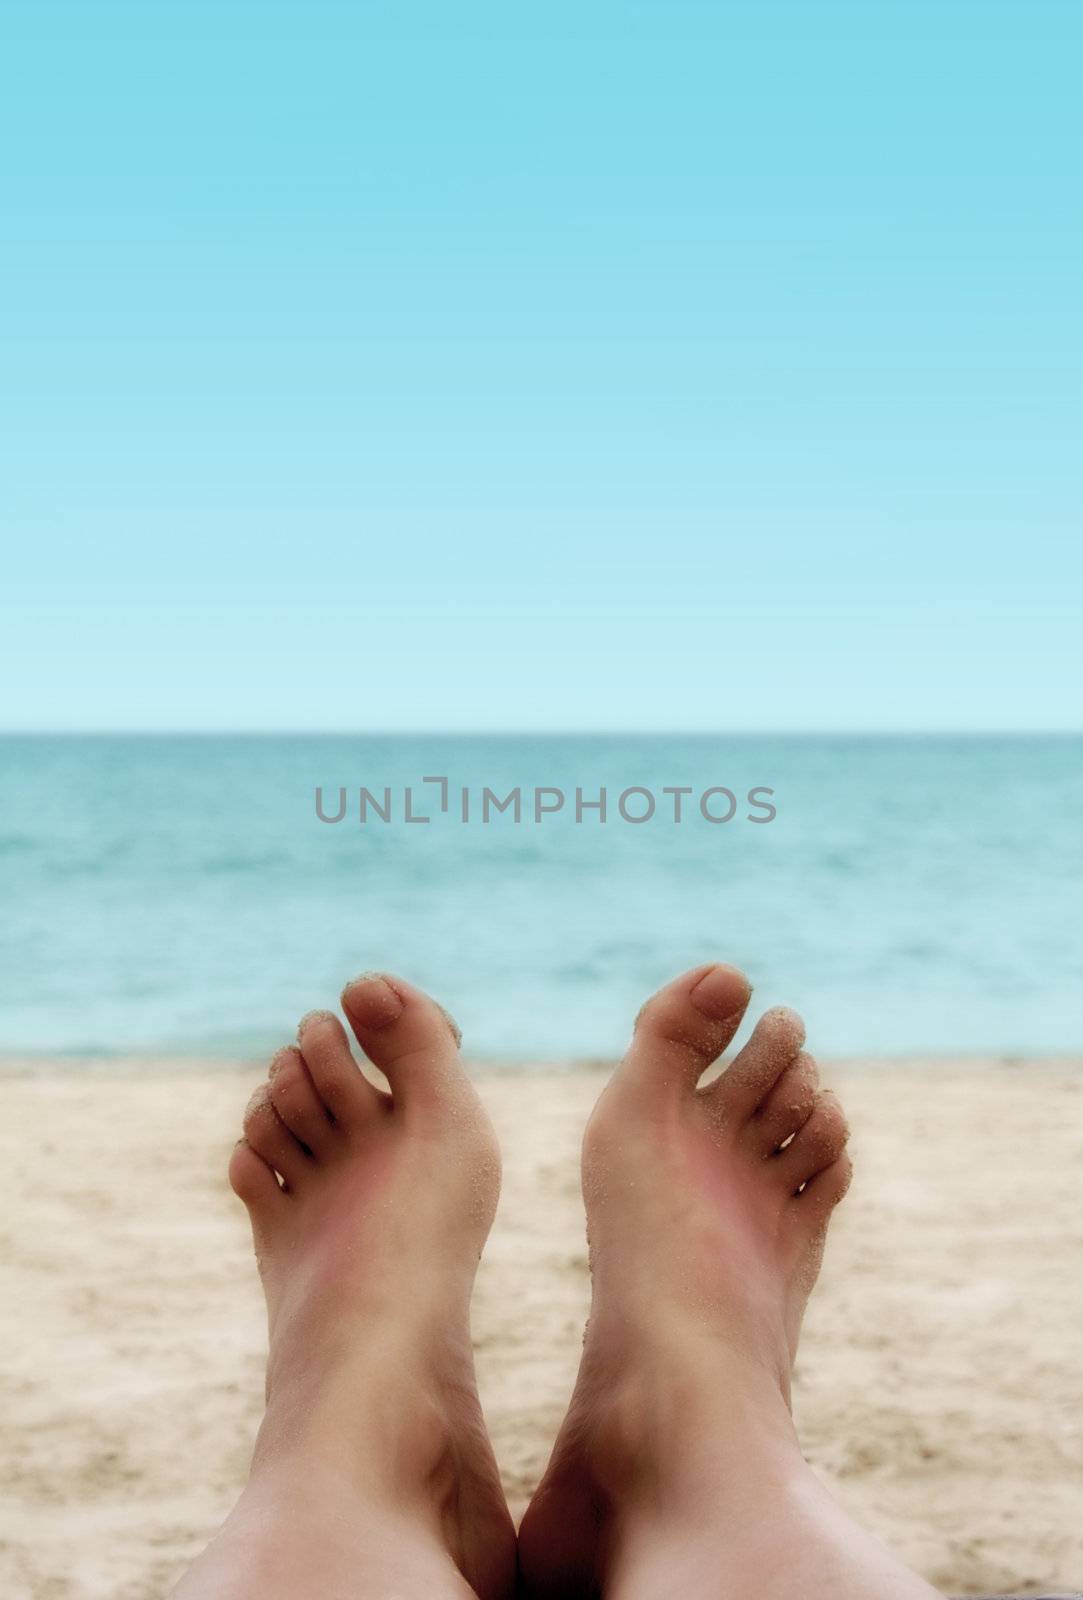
{"x": 656, "y": 364}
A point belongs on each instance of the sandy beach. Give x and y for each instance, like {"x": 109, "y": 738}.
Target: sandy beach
{"x": 939, "y": 1388}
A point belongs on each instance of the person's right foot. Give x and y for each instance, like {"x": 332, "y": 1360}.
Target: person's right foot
{"x": 373, "y": 1474}
{"x": 706, "y": 1215}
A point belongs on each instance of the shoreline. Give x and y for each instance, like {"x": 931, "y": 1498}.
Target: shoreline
{"x": 939, "y": 1388}
{"x": 127, "y": 1064}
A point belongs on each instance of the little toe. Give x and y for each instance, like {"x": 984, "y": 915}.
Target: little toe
{"x": 753, "y": 1073}
{"x": 294, "y": 1097}
{"x": 346, "y": 1093}
{"x": 407, "y": 1035}
{"x": 786, "y": 1109}
{"x": 253, "y": 1180}
{"x": 271, "y": 1139}
{"x": 686, "y": 1026}
{"x": 819, "y": 1143}
{"x": 824, "y": 1190}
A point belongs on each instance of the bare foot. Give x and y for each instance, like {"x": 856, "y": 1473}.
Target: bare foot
{"x": 677, "y": 1470}
{"x": 368, "y": 1250}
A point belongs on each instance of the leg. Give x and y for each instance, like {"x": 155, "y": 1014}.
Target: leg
{"x": 677, "y": 1470}
{"x": 373, "y": 1476}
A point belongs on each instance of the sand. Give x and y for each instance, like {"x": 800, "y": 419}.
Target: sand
{"x": 940, "y": 1384}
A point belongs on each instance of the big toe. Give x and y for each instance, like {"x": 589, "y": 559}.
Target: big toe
{"x": 410, "y": 1038}
{"x": 685, "y": 1027}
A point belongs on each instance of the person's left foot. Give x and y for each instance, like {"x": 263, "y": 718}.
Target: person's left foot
{"x": 369, "y": 1211}
{"x": 706, "y": 1215}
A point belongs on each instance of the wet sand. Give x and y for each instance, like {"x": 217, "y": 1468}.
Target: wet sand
{"x": 939, "y": 1388}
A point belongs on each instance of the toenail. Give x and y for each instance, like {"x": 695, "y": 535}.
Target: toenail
{"x": 258, "y": 1100}
{"x": 372, "y": 993}
{"x": 311, "y": 1017}
{"x": 721, "y": 993}
{"x": 281, "y": 1057}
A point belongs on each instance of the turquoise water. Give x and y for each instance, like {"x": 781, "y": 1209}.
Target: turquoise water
{"x": 179, "y": 894}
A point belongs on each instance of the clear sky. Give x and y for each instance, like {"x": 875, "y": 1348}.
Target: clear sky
{"x": 645, "y": 364}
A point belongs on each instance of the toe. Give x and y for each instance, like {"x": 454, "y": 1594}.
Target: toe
{"x": 817, "y": 1146}
{"x": 824, "y": 1190}
{"x": 753, "y": 1073}
{"x": 271, "y": 1139}
{"x": 253, "y": 1181}
{"x": 294, "y": 1097}
{"x": 408, "y": 1036}
{"x": 346, "y": 1093}
{"x": 688, "y": 1024}
{"x": 786, "y": 1109}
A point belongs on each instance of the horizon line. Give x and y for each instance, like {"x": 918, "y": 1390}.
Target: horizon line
{"x": 503, "y": 732}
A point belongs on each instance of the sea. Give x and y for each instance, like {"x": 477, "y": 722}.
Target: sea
{"x": 182, "y": 896}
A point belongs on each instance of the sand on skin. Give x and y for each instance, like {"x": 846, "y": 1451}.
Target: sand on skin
{"x": 940, "y": 1383}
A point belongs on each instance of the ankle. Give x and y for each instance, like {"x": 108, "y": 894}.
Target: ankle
{"x": 378, "y": 1417}
{"x": 677, "y": 1410}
